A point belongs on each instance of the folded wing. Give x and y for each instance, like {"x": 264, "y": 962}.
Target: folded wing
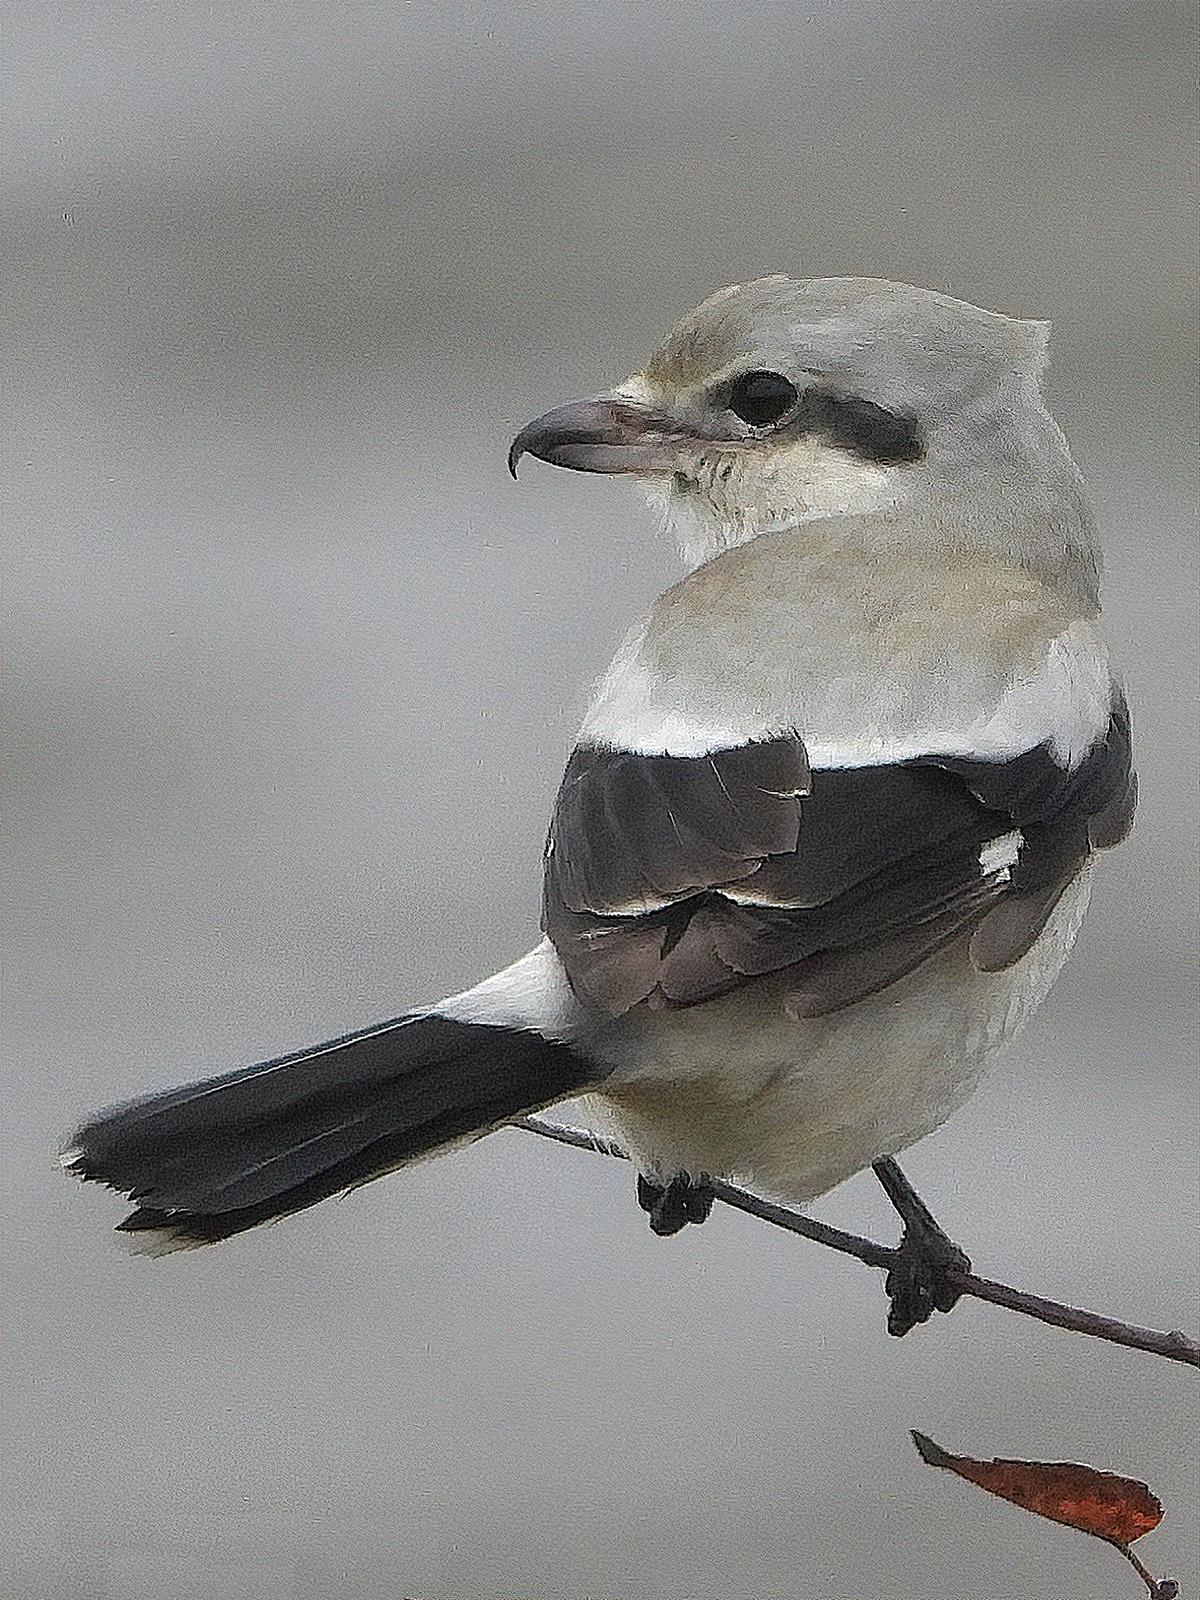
{"x": 672, "y": 879}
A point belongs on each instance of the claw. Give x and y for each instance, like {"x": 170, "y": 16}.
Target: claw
{"x": 673, "y": 1206}
{"x": 916, "y": 1283}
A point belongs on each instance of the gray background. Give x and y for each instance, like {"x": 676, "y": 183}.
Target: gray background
{"x": 292, "y": 672}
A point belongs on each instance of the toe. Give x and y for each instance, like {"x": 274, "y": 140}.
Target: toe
{"x": 672, "y": 1206}
{"x": 668, "y": 1216}
{"x": 911, "y": 1303}
{"x": 698, "y": 1201}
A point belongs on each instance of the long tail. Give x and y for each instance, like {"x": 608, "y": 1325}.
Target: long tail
{"x": 214, "y": 1158}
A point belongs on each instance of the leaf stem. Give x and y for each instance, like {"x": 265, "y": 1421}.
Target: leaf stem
{"x": 1160, "y": 1588}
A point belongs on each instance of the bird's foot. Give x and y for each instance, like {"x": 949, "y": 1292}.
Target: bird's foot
{"x": 672, "y": 1206}
{"x": 917, "y": 1284}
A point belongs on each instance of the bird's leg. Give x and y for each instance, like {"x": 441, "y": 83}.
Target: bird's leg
{"x": 672, "y": 1206}
{"x": 916, "y": 1283}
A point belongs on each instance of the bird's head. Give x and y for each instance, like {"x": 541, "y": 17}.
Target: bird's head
{"x": 784, "y": 400}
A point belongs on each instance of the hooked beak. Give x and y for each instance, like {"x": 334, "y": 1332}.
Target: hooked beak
{"x": 605, "y": 434}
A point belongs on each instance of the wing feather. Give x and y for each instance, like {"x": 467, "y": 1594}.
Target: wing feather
{"x": 673, "y": 879}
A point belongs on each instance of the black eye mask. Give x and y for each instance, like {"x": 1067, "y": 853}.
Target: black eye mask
{"x": 767, "y": 399}
{"x": 859, "y": 426}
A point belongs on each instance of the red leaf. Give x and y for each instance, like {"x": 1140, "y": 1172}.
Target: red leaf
{"x": 1118, "y": 1510}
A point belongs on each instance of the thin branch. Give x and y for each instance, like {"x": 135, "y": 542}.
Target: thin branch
{"x": 1174, "y": 1346}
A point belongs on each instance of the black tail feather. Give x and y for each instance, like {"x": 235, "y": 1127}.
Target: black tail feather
{"x": 213, "y": 1158}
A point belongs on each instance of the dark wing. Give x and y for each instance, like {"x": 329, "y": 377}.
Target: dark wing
{"x": 672, "y": 879}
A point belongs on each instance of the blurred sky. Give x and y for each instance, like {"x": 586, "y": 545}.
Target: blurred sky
{"x": 292, "y": 671}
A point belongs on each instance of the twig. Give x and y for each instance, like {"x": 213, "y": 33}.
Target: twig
{"x": 1174, "y": 1346}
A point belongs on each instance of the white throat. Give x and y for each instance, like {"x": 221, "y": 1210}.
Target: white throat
{"x": 725, "y": 500}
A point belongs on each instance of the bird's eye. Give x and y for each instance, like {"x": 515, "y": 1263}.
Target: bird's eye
{"x": 761, "y": 398}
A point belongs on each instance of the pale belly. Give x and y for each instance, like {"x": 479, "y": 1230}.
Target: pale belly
{"x": 737, "y": 1089}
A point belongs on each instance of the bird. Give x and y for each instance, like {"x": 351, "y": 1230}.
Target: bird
{"x": 827, "y": 834}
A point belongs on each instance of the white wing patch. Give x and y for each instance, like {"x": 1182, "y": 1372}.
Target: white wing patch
{"x": 1065, "y": 701}
{"x": 999, "y": 856}
{"x": 632, "y": 710}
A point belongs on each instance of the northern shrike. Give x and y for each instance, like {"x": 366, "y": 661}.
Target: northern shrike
{"x": 825, "y": 840}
